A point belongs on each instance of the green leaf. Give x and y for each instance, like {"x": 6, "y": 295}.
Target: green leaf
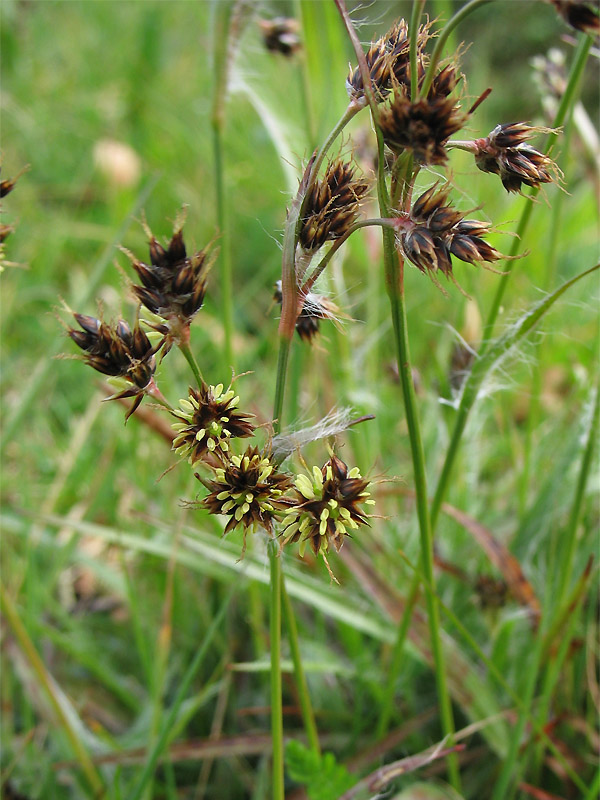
{"x": 324, "y": 778}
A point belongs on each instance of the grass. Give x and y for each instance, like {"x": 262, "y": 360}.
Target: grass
{"x": 114, "y": 671}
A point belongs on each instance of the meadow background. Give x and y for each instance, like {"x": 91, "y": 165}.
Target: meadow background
{"x": 114, "y": 583}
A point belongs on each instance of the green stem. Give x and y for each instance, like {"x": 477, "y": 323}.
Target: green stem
{"x": 308, "y": 716}
{"x": 441, "y": 40}
{"x": 501, "y": 681}
{"x": 396, "y": 295}
{"x": 221, "y": 37}
{"x": 569, "y": 98}
{"x": 415, "y": 18}
{"x": 569, "y": 540}
{"x": 277, "y": 788}
{"x": 189, "y": 357}
{"x": 592, "y": 792}
{"x": 470, "y": 386}
{"x": 47, "y": 684}
{"x": 395, "y": 290}
{"x": 396, "y": 660}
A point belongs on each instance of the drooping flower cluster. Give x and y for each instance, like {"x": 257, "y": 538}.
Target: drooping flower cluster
{"x": 326, "y": 506}
{"x": 434, "y": 231}
{"x": 207, "y": 420}
{"x": 506, "y": 153}
{"x": 118, "y": 351}
{"x": 173, "y": 283}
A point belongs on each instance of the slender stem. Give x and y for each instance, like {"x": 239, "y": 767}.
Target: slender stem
{"x": 592, "y": 792}
{"x": 47, "y": 684}
{"x": 501, "y": 681}
{"x": 189, "y": 357}
{"x": 568, "y": 99}
{"x": 395, "y": 289}
{"x": 221, "y": 38}
{"x": 441, "y": 40}
{"x": 316, "y": 273}
{"x": 417, "y": 10}
{"x": 308, "y": 716}
{"x": 569, "y": 540}
{"x": 396, "y": 295}
{"x": 396, "y": 660}
{"x": 470, "y": 384}
{"x": 284, "y": 353}
{"x": 277, "y": 788}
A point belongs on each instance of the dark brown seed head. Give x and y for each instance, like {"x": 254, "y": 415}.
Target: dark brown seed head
{"x": 281, "y": 35}
{"x": 505, "y": 152}
{"x": 248, "y": 489}
{"x": 326, "y": 506}
{"x": 116, "y": 350}
{"x": 436, "y": 231}
{"x": 583, "y": 16}
{"x": 388, "y": 60}
{"x": 173, "y": 284}
{"x": 207, "y": 421}
{"x": 332, "y": 205}
{"x": 422, "y": 127}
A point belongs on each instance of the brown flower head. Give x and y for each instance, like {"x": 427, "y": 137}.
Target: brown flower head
{"x": 281, "y": 35}
{"x": 506, "y": 153}
{"x": 582, "y": 16}
{"x": 326, "y": 507}
{"x": 424, "y": 126}
{"x": 173, "y": 283}
{"x": 116, "y": 350}
{"x": 434, "y": 231}
{"x": 248, "y": 489}
{"x": 332, "y": 205}
{"x": 208, "y": 419}
{"x": 388, "y": 60}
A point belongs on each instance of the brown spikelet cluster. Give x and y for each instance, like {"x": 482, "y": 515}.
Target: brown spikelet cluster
{"x": 332, "y": 205}
{"x": 388, "y": 61}
{"x": 116, "y": 350}
{"x": 248, "y": 490}
{"x": 506, "y": 153}
{"x": 281, "y": 35}
{"x": 173, "y": 284}
{"x": 208, "y": 419}
{"x": 583, "y": 16}
{"x": 436, "y": 231}
{"x": 424, "y": 126}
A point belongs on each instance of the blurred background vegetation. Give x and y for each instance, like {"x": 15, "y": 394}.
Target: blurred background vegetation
{"x": 109, "y": 105}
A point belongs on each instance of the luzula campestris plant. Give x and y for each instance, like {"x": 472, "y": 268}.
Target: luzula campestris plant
{"x": 416, "y": 111}
{"x": 249, "y": 488}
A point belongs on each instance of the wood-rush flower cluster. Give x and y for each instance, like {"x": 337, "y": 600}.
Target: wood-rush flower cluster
{"x": 208, "y": 419}
{"x": 173, "y": 283}
{"x": 116, "y": 350}
{"x": 326, "y": 506}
